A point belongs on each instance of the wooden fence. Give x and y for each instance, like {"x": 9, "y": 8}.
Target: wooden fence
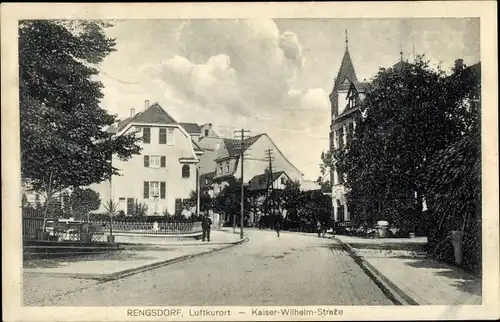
{"x": 30, "y": 227}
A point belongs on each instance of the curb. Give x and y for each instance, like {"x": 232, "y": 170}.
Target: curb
{"x": 394, "y": 293}
{"x": 132, "y": 271}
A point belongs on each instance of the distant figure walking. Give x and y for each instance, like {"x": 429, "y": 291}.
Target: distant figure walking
{"x": 206, "y": 222}
{"x": 277, "y": 227}
{"x": 318, "y": 228}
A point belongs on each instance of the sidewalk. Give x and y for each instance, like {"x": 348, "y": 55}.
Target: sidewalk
{"x": 403, "y": 269}
{"x": 144, "y": 254}
{"x": 217, "y": 237}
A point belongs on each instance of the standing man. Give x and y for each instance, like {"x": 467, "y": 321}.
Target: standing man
{"x": 277, "y": 226}
{"x": 206, "y": 222}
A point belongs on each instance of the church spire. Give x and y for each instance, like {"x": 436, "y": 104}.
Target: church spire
{"x": 346, "y": 40}
{"x": 346, "y": 68}
{"x": 401, "y": 52}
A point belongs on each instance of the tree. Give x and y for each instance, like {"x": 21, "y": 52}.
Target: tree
{"x": 63, "y": 138}
{"x": 288, "y": 199}
{"x": 111, "y": 208}
{"x": 410, "y": 113}
{"x": 325, "y": 168}
{"x": 256, "y": 201}
{"x": 83, "y": 201}
{"x": 206, "y": 202}
{"x": 229, "y": 201}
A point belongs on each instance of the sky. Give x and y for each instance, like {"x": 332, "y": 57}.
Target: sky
{"x": 268, "y": 76}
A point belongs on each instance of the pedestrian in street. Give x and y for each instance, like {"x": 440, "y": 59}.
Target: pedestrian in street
{"x": 318, "y": 228}
{"x": 206, "y": 222}
{"x": 277, "y": 226}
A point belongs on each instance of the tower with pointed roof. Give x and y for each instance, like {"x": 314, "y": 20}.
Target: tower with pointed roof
{"x": 346, "y": 95}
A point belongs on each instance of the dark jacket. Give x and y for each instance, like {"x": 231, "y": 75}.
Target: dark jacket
{"x": 206, "y": 223}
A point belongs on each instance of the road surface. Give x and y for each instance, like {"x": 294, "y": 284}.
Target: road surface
{"x": 293, "y": 270}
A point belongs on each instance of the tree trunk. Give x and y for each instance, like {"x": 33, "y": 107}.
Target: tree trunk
{"x": 47, "y": 201}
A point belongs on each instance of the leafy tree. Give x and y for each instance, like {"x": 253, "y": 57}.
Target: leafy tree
{"x": 325, "y": 168}
{"x": 140, "y": 209}
{"x": 288, "y": 199}
{"x": 410, "y": 113}
{"x": 206, "y": 202}
{"x": 63, "y": 138}
{"x": 229, "y": 202}
{"x": 453, "y": 181}
{"x": 83, "y": 201}
{"x": 256, "y": 202}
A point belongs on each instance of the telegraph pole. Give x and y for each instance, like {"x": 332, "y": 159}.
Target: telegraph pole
{"x": 242, "y": 133}
{"x": 270, "y": 159}
{"x": 198, "y": 188}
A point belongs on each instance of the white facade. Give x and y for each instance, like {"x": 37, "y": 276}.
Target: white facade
{"x": 164, "y": 171}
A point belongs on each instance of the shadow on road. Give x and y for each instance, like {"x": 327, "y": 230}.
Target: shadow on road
{"x": 122, "y": 255}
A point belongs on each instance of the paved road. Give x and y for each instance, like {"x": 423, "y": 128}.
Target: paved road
{"x": 291, "y": 270}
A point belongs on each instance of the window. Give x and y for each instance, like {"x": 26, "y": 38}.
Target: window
{"x": 170, "y": 136}
{"x": 155, "y": 161}
{"x": 162, "y": 139}
{"x": 206, "y": 132}
{"x": 121, "y": 204}
{"x": 262, "y": 180}
{"x": 154, "y": 189}
{"x": 185, "y": 171}
{"x": 220, "y": 169}
{"x": 227, "y": 166}
{"x": 283, "y": 180}
{"x": 146, "y": 135}
{"x": 130, "y": 206}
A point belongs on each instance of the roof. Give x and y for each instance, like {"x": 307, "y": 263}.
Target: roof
{"x": 153, "y": 114}
{"x": 346, "y": 71}
{"x": 233, "y": 145}
{"x": 400, "y": 65}
{"x": 196, "y": 146}
{"x": 260, "y": 182}
{"x": 206, "y": 179}
{"x": 191, "y": 128}
{"x": 476, "y": 67}
{"x": 347, "y": 111}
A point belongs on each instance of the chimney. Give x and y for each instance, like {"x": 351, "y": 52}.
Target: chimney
{"x": 132, "y": 112}
{"x": 459, "y": 64}
{"x": 146, "y": 104}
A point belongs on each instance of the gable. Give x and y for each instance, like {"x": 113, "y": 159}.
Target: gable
{"x": 154, "y": 114}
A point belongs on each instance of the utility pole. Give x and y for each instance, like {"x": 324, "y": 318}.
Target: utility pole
{"x": 242, "y": 133}
{"x": 198, "y": 188}
{"x": 270, "y": 189}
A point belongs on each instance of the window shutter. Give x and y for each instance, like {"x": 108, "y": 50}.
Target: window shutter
{"x": 130, "y": 206}
{"x": 163, "y": 136}
{"x": 146, "y": 135}
{"x": 162, "y": 189}
{"x": 146, "y": 161}
{"x": 163, "y": 161}
{"x": 146, "y": 190}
